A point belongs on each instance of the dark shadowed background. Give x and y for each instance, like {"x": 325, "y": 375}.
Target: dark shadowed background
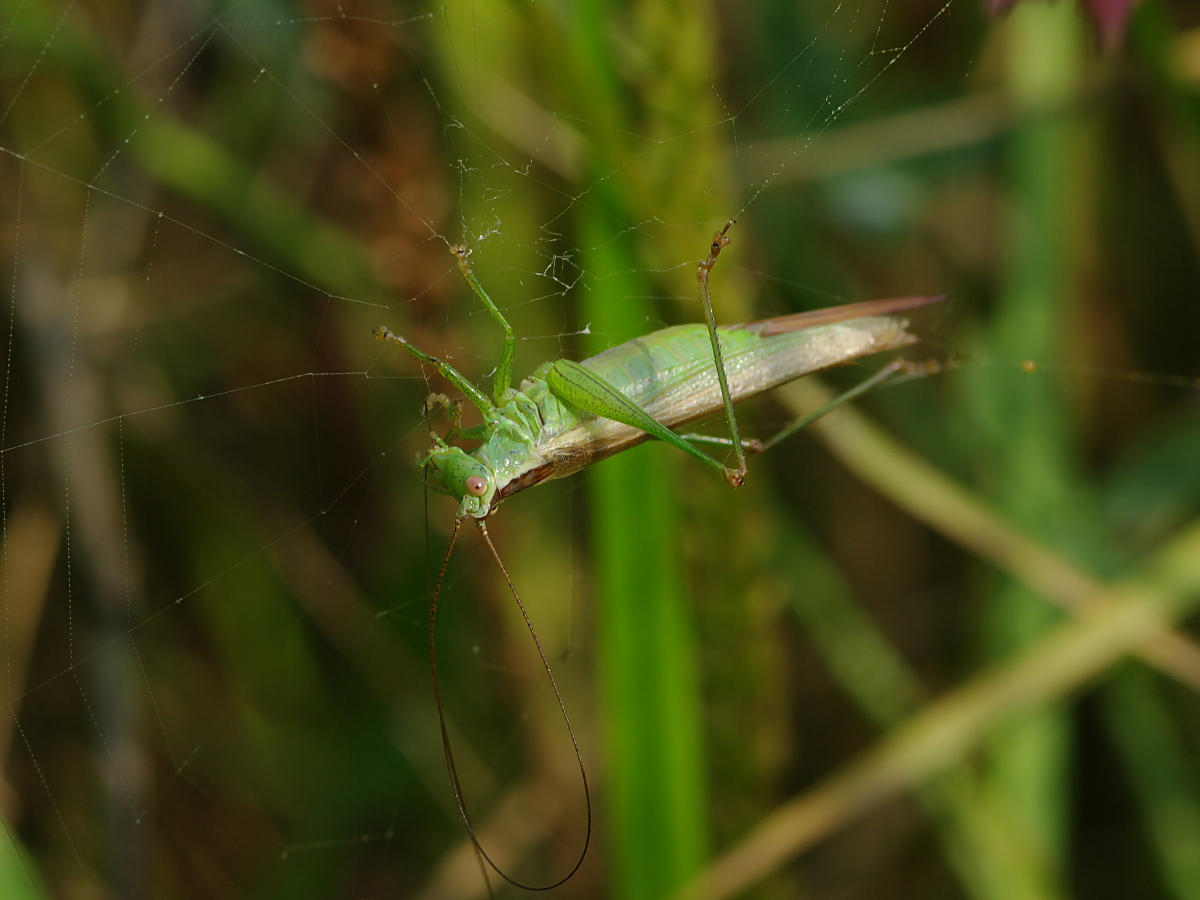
{"x": 925, "y": 653}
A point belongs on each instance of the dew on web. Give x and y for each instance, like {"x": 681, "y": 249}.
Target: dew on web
{"x": 218, "y": 555}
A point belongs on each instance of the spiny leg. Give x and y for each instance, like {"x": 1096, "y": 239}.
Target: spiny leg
{"x": 451, "y": 374}
{"x": 501, "y": 386}
{"x": 721, "y": 240}
{"x": 503, "y": 380}
{"x": 452, "y": 409}
{"x": 584, "y": 388}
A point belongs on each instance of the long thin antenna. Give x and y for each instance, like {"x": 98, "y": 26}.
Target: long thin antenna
{"x": 451, "y": 767}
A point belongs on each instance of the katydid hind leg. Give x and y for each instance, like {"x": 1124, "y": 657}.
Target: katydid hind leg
{"x": 750, "y": 446}
{"x": 897, "y": 370}
{"x": 585, "y": 389}
{"x": 582, "y": 387}
{"x": 888, "y": 373}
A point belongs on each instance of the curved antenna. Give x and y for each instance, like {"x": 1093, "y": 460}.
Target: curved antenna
{"x": 451, "y": 767}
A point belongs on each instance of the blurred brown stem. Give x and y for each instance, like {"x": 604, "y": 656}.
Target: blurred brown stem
{"x": 1112, "y": 622}
{"x": 949, "y": 508}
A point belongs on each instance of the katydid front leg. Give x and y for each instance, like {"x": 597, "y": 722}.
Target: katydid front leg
{"x": 502, "y": 383}
{"x": 451, "y": 374}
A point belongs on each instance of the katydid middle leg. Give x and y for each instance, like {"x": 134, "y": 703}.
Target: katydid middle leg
{"x": 451, "y": 374}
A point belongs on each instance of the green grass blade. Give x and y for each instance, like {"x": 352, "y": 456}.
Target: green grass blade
{"x": 1029, "y": 434}
{"x": 649, "y": 679}
{"x": 1163, "y": 775}
{"x": 18, "y": 880}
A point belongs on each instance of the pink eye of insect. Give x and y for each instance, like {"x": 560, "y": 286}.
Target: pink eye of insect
{"x": 476, "y": 486}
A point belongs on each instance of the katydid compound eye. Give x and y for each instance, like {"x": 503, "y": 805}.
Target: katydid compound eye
{"x": 476, "y": 485}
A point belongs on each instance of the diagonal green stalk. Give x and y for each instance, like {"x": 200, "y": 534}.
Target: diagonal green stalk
{"x": 19, "y": 877}
{"x": 983, "y": 844}
{"x": 1121, "y": 618}
{"x": 965, "y": 518}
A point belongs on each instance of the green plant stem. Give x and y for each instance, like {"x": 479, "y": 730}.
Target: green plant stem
{"x": 656, "y": 825}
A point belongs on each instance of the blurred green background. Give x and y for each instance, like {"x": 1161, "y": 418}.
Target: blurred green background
{"x": 939, "y": 651}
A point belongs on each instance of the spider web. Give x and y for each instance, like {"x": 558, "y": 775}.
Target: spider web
{"x": 215, "y": 543}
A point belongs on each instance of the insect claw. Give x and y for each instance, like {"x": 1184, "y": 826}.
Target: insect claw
{"x": 735, "y": 477}
{"x": 383, "y": 333}
{"x": 908, "y": 369}
{"x": 720, "y": 240}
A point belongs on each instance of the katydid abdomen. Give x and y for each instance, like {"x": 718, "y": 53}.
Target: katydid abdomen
{"x": 671, "y": 376}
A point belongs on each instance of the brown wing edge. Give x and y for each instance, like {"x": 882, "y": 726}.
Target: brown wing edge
{"x": 833, "y": 314}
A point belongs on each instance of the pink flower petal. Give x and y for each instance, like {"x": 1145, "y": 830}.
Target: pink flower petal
{"x": 1110, "y": 18}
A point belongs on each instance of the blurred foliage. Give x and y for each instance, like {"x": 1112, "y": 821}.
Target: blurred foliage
{"x": 853, "y": 677}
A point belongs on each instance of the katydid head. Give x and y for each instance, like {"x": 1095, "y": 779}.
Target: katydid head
{"x": 453, "y": 471}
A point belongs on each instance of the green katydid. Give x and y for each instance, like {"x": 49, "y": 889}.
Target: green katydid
{"x": 568, "y": 415}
